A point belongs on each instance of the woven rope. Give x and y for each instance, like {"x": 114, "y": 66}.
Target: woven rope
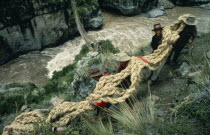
{"x": 106, "y": 89}
{"x": 24, "y": 123}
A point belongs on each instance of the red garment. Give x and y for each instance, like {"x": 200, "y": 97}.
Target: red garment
{"x": 122, "y": 66}
{"x": 102, "y": 104}
{"x": 146, "y": 61}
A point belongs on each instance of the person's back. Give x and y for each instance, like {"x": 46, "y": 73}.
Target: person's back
{"x": 190, "y": 31}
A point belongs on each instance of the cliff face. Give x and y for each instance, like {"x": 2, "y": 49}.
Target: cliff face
{"x": 129, "y": 7}
{"x": 27, "y": 25}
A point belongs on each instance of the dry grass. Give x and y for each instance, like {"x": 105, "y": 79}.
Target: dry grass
{"x": 135, "y": 118}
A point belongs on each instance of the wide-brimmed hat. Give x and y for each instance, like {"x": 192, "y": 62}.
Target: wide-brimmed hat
{"x": 94, "y": 72}
{"x": 190, "y": 20}
{"x": 157, "y": 27}
{"x": 123, "y": 57}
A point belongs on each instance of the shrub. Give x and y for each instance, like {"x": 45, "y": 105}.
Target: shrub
{"x": 106, "y": 46}
{"x": 13, "y": 101}
{"x": 197, "y": 106}
{"x": 83, "y": 52}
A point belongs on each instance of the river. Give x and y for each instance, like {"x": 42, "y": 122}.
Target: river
{"x": 126, "y": 33}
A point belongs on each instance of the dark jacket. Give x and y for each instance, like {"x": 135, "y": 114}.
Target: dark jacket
{"x": 188, "y": 33}
{"x": 156, "y": 41}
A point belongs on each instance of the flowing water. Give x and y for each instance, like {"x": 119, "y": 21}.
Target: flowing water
{"x": 126, "y": 33}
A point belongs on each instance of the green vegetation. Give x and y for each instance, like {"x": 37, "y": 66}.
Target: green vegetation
{"x": 106, "y": 47}
{"x": 12, "y": 101}
{"x": 83, "y": 52}
{"x": 43, "y": 128}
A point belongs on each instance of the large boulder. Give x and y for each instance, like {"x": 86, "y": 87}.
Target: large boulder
{"x": 34, "y": 25}
{"x": 129, "y": 7}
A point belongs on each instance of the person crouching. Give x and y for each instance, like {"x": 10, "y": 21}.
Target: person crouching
{"x": 96, "y": 74}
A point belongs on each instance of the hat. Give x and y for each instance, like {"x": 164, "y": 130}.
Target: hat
{"x": 123, "y": 57}
{"x": 190, "y": 20}
{"x": 157, "y": 27}
{"x": 94, "y": 72}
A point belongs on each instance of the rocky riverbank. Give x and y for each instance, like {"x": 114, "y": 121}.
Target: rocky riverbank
{"x": 34, "y": 25}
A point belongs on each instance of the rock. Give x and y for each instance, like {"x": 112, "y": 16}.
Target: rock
{"x": 165, "y": 4}
{"x": 82, "y": 87}
{"x": 129, "y": 7}
{"x": 194, "y": 74}
{"x": 1, "y": 25}
{"x": 205, "y": 6}
{"x": 191, "y": 2}
{"x": 24, "y": 107}
{"x": 192, "y": 87}
{"x": 96, "y": 22}
{"x": 208, "y": 54}
{"x": 161, "y": 7}
{"x": 61, "y": 129}
{"x": 159, "y": 113}
{"x": 156, "y": 13}
{"x": 56, "y": 101}
{"x": 180, "y": 82}
{"x": 184, "y": 69}
{"x": 37, "y": 24}
{"x": 41, "y": 110}
{"x": 28, "y": 110}
{"x": 155, "y": 98}
{"x": 3, "y": 90}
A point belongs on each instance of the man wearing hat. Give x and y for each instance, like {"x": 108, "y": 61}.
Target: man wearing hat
{"x": 157, "y": 38}
{"x": 189, "y": 32}
{"x": 96, "y": 74}
{"x": 124, "y": 59}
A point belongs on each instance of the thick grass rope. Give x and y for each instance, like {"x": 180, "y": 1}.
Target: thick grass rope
{"x": 23, "y": 123}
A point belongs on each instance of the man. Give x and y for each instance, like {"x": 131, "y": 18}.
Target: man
{"x": 157, "y": 38}
{"x": 189, "y": 32}
{"x": 156, "y": 41}
{"x": 124, "y": 59}
{"x": 96, "y": 74}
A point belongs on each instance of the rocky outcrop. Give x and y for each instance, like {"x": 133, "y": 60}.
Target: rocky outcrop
{"x": 83, "y": 85}
{"x": 33, "y": 25}
{"x": 129, "y": 7}
{"x": 156, "y": 13}
{"x": 190, "y": 2}
{"x": 165, "y": 4}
